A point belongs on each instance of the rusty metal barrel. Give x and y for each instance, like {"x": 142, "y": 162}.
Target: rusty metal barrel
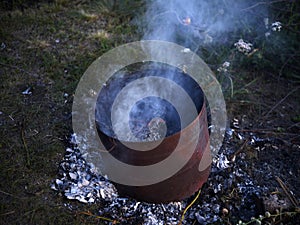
{"x": 190, "y": 177}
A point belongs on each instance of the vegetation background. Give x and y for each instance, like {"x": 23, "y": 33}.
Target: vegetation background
{"x": 47, "y": 45}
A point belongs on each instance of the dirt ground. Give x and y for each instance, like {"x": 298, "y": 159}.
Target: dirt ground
{"x": 44, "y": 52}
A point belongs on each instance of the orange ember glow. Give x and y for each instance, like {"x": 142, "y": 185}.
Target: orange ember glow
{"x": 187, "y": 21}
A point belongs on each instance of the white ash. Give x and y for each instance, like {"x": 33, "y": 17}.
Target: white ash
{"x": 224, "y": 67}
{"x": 221, "y": 161}
{"x": 243, "y": 46}
{"x": 77, "y": 180}
{"x": 186, "y": 50}
{"x": 155, "y": 130}
{"x": 27, "y": 91}
{"x": 276, "y": 26}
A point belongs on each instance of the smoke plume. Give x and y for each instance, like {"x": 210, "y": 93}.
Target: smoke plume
{"x": 198, "y": 22}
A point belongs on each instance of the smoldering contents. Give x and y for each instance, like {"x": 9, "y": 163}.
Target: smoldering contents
{"x": 144, "y": 110}
{"x": 152, "y": 119}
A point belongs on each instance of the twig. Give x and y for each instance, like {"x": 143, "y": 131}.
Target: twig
{"x": 6, "y": 193}
{"x": 284, "y": 64}
{"x": 88, "y": 213}
{"x": 167, "y": 12}
{"x": 113, "y": 146}
{"x": 25, "y": 146}
{"x": 7, "y": 213}
{"x": 9, "y": 194}
{"x": 252, "y": 53}
{"x": 280, "y": 214}
{"x": 295, "y": 138}
{"x": 285, "y": 189}
{"x": 231, "y": 85}
{"x": 294, "y": 125}
{"x": 278, "y": 103}
{"x": 262, "y": 3}
{"x": 18, "y": 68}
{"x": 189, "y": 206}
{"x": 265, "y": 131}
{"x": 239, "y": 150}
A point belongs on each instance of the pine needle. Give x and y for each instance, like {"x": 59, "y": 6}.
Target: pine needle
{"x": 189, "y": 206}
{"x": 99, "y": 217}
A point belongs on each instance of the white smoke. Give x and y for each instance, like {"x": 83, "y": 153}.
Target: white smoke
{"x": 197, "y": 22}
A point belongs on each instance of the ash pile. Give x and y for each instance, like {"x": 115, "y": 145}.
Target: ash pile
{"x": 233, "y": 192}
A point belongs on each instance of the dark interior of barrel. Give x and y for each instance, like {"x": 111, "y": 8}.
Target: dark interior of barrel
{"x": 148, "y": 108}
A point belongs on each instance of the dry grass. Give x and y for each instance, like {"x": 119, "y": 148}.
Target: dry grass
{"x": 48, "y": 49}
